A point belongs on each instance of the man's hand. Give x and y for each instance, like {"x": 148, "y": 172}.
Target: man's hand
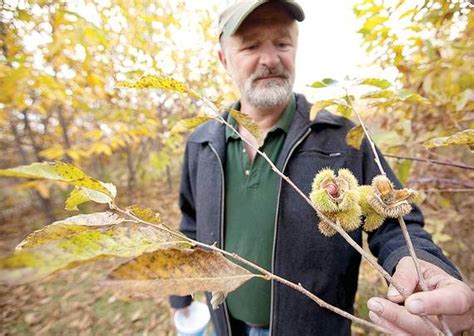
{"x": 447, "y": 296}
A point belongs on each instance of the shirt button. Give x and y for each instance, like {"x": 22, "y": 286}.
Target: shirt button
{"x": 243, "y": 150}
{"x": 247, "y": 172}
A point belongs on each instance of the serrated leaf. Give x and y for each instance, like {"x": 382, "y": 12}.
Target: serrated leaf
{"x": 355, "y": 136}
{"x": 146, "y": 214}
{"x": 116, "y": 241}
{"x": 465, "y": 137}
{"x": 245, "y": 121}
{"x": 158, "y": 82}
{"x": 319, "y": 105}
{"x": 324, "y": 83}
{"x": 178, "y": 272}
{"x": 189, "y": 124}
{"x": 377, "y": 82}
{"x": 60, "y": 171}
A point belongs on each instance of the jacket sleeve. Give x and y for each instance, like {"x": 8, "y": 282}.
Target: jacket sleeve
{"x": 188, "y": 218}
{"x": 387, "y": 242}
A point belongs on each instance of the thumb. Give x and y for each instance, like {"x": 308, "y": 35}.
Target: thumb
{"x": 406, "y": 277}
{"x": 451, "y": 297}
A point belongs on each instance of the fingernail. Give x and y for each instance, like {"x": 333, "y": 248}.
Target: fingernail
{"x": 375, "y": 306}
{"x": 374, "y": 317}
{"x": 392, "y": 291}
{"x": 416, "y": 307}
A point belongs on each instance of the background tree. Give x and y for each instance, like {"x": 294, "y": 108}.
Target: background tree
{"x": 430, "y": 44}
{"x": 59, "y": 64}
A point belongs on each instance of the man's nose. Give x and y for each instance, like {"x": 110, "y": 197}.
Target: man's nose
{"x": 269, "y": 56}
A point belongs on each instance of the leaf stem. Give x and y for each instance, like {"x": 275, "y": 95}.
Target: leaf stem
{"x": 432, "y": 161}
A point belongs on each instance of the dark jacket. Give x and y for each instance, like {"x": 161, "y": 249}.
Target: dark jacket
{"x": 328, "y": 267}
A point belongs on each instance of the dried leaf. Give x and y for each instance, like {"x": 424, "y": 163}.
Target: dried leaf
{"x": 178, "y": 272}
{"x": 355, "y": 136}
{"x": 189, "y": 124}
{"x": 158, "y": 82}
{"x": 88, "y": 244}
{"x": 245, "y": 121}
{"x": 465, "y": 137}
{"x": 60, "y": 171}
{"x": 217, "y": 299}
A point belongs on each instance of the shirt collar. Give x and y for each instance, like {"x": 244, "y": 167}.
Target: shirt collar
{"x": 283, "y": 123}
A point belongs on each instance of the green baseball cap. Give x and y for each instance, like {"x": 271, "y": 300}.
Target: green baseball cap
{"x": 233, "y": 16}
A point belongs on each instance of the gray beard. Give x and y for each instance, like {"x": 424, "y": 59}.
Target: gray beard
{"x": 273, "y": 94}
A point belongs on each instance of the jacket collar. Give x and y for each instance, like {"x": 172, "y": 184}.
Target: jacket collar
{"x": 214, "y": 132}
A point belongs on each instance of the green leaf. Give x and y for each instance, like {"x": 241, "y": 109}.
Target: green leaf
{"x": 67, "y": 173}
{"x": 158, "y": 82}
{"x": 178, "y": 272}
{"x": 377, "y": 82}
{"x": 41, "y": 256}
{"x": 324, "y": 83}
{"x": 189, "y": 124}
{"x": 355, "y": 136}
{"x": 465, "y": 137}
{"x": 245, "y": 121}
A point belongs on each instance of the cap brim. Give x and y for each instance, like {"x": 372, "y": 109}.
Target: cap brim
{"x": 234, "y": 22}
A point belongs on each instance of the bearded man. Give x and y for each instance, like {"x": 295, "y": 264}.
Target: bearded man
{"x": 230, "y": 196}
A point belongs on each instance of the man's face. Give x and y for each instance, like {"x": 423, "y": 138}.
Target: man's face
{"x": 260, "y": 56}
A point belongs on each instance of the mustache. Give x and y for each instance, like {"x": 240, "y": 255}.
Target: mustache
{"x": 278, "y": 71}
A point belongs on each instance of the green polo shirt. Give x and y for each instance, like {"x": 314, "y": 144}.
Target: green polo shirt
{"x": 250, "y": 205}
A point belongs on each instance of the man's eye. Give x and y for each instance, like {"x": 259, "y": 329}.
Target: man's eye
{"x": 283, "y": 45}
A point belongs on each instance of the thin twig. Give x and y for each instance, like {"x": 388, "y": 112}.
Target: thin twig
{"x": 267, "y": 275}
{"x": 433, "y": 161}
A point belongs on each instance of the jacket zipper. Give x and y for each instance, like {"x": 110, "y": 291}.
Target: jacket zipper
{"x": 308, "y": 131}
{"x": 227, "y": 319}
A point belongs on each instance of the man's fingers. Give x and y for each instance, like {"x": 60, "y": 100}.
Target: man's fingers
{"x": 450, "y": 298}
{"x": 405, "y": 278}
{"x": 396, "y": 318}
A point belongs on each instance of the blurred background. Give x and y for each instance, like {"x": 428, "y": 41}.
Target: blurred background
{"x": 60, "y": 62}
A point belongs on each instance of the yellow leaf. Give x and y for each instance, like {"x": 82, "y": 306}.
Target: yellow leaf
{"x": 465, "y": 137}
{"x": 146, "y": 214}
{"x": 245, "y": 121}
{"x": 178, "y": 272}
{"x": 355, "y": 136}
{"x": 60, "y": 171}
{"x": 158, "y": 82}
{"x": 188, "y": 124}
{"x": 75, "y": 246}
{"x": 77, "y": 197}
{"x": 319, "y": 105}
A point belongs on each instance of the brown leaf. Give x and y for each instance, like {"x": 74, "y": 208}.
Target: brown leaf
{"x": 178, "y": 272}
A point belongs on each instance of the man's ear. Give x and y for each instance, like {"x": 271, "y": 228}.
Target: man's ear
{"x": 222, "y": 58}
